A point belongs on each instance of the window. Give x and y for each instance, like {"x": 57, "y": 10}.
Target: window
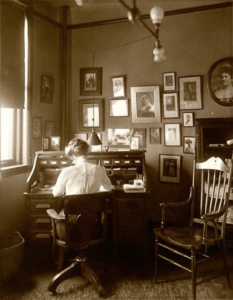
{"x": 14, "y": 129}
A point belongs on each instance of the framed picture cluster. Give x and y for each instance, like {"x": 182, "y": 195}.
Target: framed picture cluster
{"x": 125, "y": 138}
{"x": 51, "y": 143}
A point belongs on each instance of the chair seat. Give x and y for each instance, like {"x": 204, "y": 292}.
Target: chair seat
{"x": 185, "y": 237}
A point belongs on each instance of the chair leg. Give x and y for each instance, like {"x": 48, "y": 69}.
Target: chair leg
{"x": 90, "y": 275}
{"x": 156, "y": 258}
{"x": 226, "y": 268}
{"x": 62, "y": 276}
{"x": 194, "y": 269}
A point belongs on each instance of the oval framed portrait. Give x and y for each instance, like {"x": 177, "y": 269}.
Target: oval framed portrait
{"x": 220, "y": 81}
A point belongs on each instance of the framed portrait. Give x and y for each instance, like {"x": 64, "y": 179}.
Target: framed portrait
{"x": 169, "y": 81}
{"x": 118, "y": 84}
{"x": 134, "y": 143}
{"x": 220, "y": 81}
{"x": 46, "y": 91}
{"x": 169, "y": 168}
{"x": 90, "y": 109}
{"x": 118, "y": 107}
{"x": 36, "y": 127}
{"x": 90, "y": 81}
{"x": 145, "y": 104}
{"x": 55, "y": 143}
{"x": 172, "y": 135}
{"x": 81, "y": 136}
{"x": 188, "y": 119}
{"x": 49, "y": 128}
{"x": 189, "y": 144}
{"x": 45, "y": 143}
{"x": 190, "y": 92}
{"x": 121, "y": 137}
{"x": 170, "y": 106}
{"x": 155, "y": 135}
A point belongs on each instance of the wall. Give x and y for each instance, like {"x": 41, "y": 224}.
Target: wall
{"x": 192, "y": 42}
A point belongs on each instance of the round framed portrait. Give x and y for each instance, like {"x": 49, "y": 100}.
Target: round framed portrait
{"x": 220, "y": 81}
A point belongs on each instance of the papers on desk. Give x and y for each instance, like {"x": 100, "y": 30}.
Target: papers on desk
{"x": 131, "y": 188}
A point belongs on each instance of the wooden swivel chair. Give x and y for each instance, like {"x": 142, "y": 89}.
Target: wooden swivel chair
{"x": 196, "y": 243}
{"x": 90, "y": 227}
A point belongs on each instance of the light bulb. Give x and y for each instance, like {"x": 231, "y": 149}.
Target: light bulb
{"x": 156, "y": 14}
{"x": 158, "y": 54}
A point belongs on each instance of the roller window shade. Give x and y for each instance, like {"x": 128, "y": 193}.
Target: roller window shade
{"x": 12, "y": 56}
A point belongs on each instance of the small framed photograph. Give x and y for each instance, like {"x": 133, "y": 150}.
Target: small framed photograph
{"x": 118, "y": 86}
{"x": 172, "y": 135}
{"x": 145, "y": 104}
{"x": 90, "y": 81}
{"x": 87, "y": 110}
{"x": 119, "y": 108}
{"x": 190, "y": 92}
{"x": 46, "y": 144}
{"x": 170, "y": 106}
{"x": 189, "y": 144}
{"x": 155, "y": 135}
{"x": 188, "y": 119}
{"x": 141, "y": 134}
{"x": 46, "y": 91}
{"x": 55, "y": 143}
{"x": 49, "y": 128}
{"x": 134, "y": 143}
{"x": 36, "y": 127}
{"x": 169, "y": 168}
{"x": 81, "y": 136}
{"x": 220, "y": 81}
{"x": 169, "y": 81}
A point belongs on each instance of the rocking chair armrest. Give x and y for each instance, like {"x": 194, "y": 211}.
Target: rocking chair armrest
{"x": 212, "y": 217}
{"x": 54, "y": 215}
{"x": 179, "y": 204}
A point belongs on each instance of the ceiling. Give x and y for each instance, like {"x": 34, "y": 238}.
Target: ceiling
{"x": 102, "y": 10}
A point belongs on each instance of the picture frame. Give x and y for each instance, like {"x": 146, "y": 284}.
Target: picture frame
{"x": 190, "y": 90}
{"x": 189, "y": 144}
{"x": 120, "y": 137}
{"x": 55, "y": 144}
{"x": 169, "y": 168}
{"x": 145, "y": 104}
{"x": 134, "y": 143}
{"x": 118, "y": 108}
{"x": 90, "y": 81}
{"x": 172, "y": 135}
{"x": 81, "y": 136}
{"x": 118, "y": 85}
{"x": 46, "y": 91}
{"x": 188, "y": 119}
{"x": 155, "y": 135}
{"x": 169, "y": 81}
{"x": 45, "y": 143}
{"x": 86, "y": 109}
{"x": 171, "y": 108}
{"x": 36, "y": 127}
{"x": 215, "y": 83}
{"x": 49, "y": 128}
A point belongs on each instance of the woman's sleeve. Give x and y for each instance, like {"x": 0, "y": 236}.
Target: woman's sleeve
{"x": 60, "y": 186}
{"x": 105, "y": 182}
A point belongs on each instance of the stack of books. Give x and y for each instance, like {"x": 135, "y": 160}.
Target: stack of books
{"x": 131, "y": 188}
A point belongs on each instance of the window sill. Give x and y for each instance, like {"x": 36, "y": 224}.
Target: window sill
{"x": 15, "y": 170}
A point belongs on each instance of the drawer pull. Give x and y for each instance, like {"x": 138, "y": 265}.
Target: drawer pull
{"x": 39, "y": 206}
{"x": 42, "y": 221}
{"x": 106, "y": 161}
{"x": 64, "y": 162}
{"x": 53, "y": 162}
{"x": 127, "y": 161}
{"x": 42, "y": 236}
{"x": 137, "y": 161}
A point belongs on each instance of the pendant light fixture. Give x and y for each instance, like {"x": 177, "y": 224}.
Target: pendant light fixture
{"x": 156, "y": 15}
{"x": 93, "y": 139}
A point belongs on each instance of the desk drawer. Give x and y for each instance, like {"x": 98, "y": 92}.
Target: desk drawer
{"x": 124, "y": 204}
{"x": 40, "y": 221}
{"x": 42, "y": 205}
{"x": 137, "y": 161}
{"x": 135, "y": 220}
{"x": 106, "y": 162}
{"x": 41, "y": 237}
{"x": 126, "y": 161}
{"x": 116, "y": 162}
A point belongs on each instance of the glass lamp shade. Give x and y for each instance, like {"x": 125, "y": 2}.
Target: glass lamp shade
{"x": 133, "y": 14}
{"x": 156, "y": 14}
{"x": 94, "y": 139}
{"x": 158, "y": 54}
{"x": 79, "y": 2}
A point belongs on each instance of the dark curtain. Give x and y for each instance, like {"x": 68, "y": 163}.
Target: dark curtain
{"x": 12, "y": 56}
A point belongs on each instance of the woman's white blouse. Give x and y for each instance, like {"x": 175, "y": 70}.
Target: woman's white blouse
{"x": 82, "y": 178}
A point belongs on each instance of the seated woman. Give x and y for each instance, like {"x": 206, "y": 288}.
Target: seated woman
{"x": 81, "y": 178}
